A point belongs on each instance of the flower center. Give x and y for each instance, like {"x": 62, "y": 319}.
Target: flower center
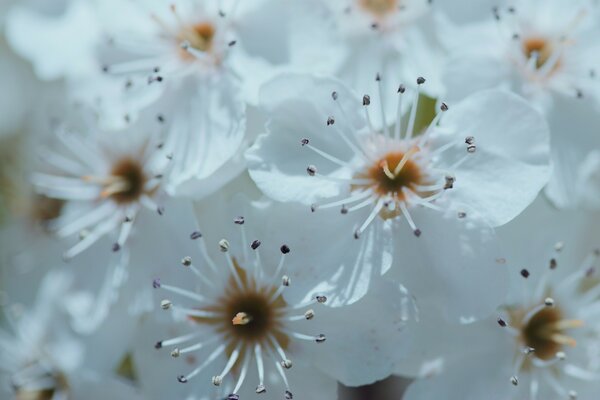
{"x": 546, "y": 332}
{"x": 379, "y": 8}
{"x": 126, "y": 183}
{"x": 248, "y": 314}
{"x": 200, "y": 36}
{"x": 540, "y": 48}
{"x": 393, "y": 174}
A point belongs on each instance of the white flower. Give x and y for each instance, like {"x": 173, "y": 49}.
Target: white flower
{"x": 536, "y": 48}
{"x": 320, "y": 150}
{"x": 252, "y": 336}
{"x": 393, "y": 38}
{"x": 42, "y": 358}
{"x": 548, "y": 348}
{"x": 106, "y": 178}
{"x": 58, "y": 37}
{"x": 543, "y": 341}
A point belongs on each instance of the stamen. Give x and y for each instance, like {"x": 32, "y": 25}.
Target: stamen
{"x": 260, "y": 367}
{"x": 183, "y": 292}
{"x": 409, "y": 219}
{"x": 398, "y": 126}
{"x": 413, "y": 110}
{"x": 230, "y": 363}
{"x": 370, "y": 218}
{"x": 195, "y": 313}
{"x": 243, "y": 373}
{"x": 212, "y": 357}
{"x": 386, "y": 128}
{"x": 176, "y": 340}
{"x": 327, "y": 156}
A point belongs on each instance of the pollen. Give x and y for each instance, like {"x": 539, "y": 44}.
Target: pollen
{"x": 379, "y": 8}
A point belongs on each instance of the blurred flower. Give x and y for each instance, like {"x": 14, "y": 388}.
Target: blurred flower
{"x": 378, "y": 179}
{"x": 536, "y": 48}
{"x": 43, "y": 359}
{"x": 105, "y": 181}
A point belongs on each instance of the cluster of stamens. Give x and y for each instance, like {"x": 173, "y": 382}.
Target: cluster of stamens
{"x": 543, "y": 332}
{"x": 539, "y": 56}
{"x": 250, "y": 318}
{"x": 399, "y": 174}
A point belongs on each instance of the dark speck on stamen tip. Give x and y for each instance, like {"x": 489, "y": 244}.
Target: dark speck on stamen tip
{"x": 284, "y": 249}
{"x": 158, "y": 345}
{"x": 182, "y": 379}
{"x": 502, "y": 322}
{"x": 156, "y": 283}
{"x": 195, "y": 235}
{"x": 255, "y": 244}
{"x": 525, "y": 273}
{"x": 116, "y": 247}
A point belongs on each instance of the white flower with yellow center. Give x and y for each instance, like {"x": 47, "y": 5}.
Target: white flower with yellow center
{"x": 543, "y": 344}
{"x": 321, "y": 150}
{"x": 536, "y": 48}
{"x": 247, "y": 334}
{"x": 41, "y": 358}
{"x": 105, "y": 179}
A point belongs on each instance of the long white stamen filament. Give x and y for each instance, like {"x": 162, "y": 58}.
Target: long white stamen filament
{"x": 327, "y": 156}
{"x": 231, "y": 362}
{"x": 183, "y": 292}
{"x": 257, "y": 265}
{"x": 348, "y": 181}
{"x": 277, "y": 347}
{"x": 386, "y": 128}
{"x": 212, "y": 357}
{"x": 278, "y": 270}
{"x": 361, "y": 205}
{"x": 407, "y": 216}
{"x": 206, "y": 256}
{"x": 204, "y": 279}
{"x": 233, "y": 270}
{"x": 126, "y": 228}
{"x": 277, "y": 293}
{"x": 413, "y": 116}
{"x": 358, "y": 151}
{"x": 195, "y": 313}
{"x": 243, "y": 373}
{"x": 348, "y": 200}
{"x": 425, "y": 137}
{"x": 259, "y": 363}
{"x": 179, "y": 339}
{"x": 412, "y": 197}
{"x": 372, "y": 215}
{"x": 198, "y": 346}
{"x": 368, "y": 118}
{"x": 91, "y": 238}
{"x": 398, "y": 126}
{"x": 282, "y": 373}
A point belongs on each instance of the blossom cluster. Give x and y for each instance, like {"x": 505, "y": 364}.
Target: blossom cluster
{"x": 227, "y": 199}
